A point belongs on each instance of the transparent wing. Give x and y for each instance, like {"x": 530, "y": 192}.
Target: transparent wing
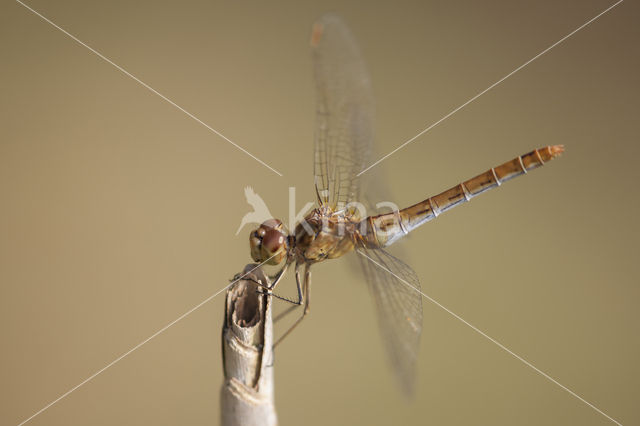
{"x": 344, "y": 112}
{"x": 396, "y": 292}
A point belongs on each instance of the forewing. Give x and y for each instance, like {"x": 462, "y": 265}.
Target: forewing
{"x": 396, "y": 292}
{"x": 344, "y": 112}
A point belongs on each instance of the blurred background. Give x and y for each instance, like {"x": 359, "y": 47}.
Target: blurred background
{"x": 119, "y": 213}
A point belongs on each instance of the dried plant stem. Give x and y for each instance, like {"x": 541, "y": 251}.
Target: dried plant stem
{"x": 246, "y": 397}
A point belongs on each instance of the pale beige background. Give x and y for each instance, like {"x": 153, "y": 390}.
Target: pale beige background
{"x": 118, "y": 212}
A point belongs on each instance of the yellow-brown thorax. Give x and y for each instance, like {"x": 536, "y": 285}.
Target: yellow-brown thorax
{"x": 324, "y": 235}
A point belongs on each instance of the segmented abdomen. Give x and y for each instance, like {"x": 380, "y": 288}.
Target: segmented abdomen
{"x": 385, "y": 229}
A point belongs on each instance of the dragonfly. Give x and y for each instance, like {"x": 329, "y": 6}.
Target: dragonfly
{"x": 342, "y": 146}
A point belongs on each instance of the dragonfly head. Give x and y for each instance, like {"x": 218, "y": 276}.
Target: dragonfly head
{"x": 269, "y": 242}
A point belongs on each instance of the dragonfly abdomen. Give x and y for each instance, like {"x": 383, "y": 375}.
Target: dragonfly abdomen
{"x": 385, "y": 229}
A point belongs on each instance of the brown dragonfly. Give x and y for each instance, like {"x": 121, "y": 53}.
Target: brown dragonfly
{"x": 343, "y": 142}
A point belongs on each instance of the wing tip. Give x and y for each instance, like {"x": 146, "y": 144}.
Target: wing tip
{"x": 406, "y": 380}
{"x": 319, "y": 27}
{"x": 316, "y": 34}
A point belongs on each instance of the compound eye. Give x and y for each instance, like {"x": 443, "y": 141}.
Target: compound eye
{"x": 272, "y": 223}
{"x": 272, "y": 241}
{"x": 254, "y": 244}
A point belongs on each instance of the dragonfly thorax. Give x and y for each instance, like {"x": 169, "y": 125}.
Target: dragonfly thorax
{"x": 322, "y": 235}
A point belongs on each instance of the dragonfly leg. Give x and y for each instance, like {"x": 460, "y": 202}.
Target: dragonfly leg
{"x": 283, "y": 298}
{"x": 277, "y": 277}
{"x": 295, "y": 304}
{"x": 304, "y": 298}
{"x": 274, "y": 280}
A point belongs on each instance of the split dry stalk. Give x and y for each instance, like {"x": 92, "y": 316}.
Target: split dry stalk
{"x": 246, "y": 397}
